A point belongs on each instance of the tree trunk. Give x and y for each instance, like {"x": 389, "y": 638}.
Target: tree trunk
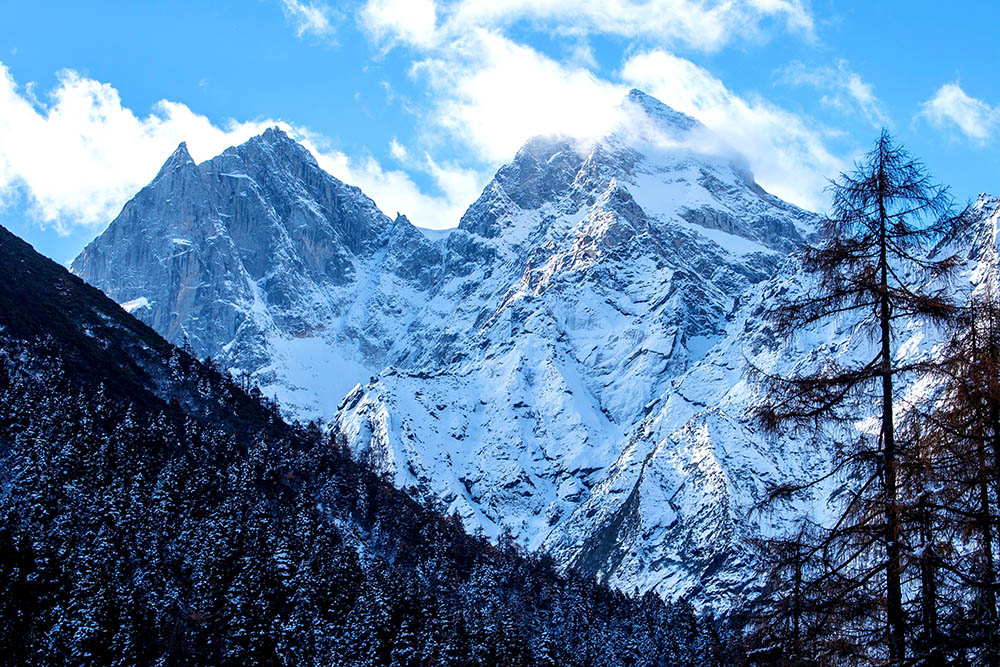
{"x": 893, "y": 532}
{"x": 988, "y": 592}
{"x": 797, "y": 604}
{"x": 989, "y": 576}
{"x": 928, "y": 590}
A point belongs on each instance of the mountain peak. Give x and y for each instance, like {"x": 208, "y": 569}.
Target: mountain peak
{"x": 275, "y": 134}
{"x": 278, "y": 143}
{"x": 661, "y": 114}
{"x": 179, "y": 158}
{"x": 542, "y": 171}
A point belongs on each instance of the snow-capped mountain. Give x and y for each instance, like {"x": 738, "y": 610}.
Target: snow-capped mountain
{"x": 263, "y": 261}
{"x": 676, "y": 511}
{"x": 614, "y": 267}
{"x": 568, "y": 364}
{"x": 154, "y": 512}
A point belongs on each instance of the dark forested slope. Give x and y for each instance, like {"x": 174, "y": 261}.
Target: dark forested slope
{"x": 154, "y": 512}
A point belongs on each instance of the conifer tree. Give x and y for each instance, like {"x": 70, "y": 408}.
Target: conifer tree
{"x": 872, "y": 268}
{"x": 960, "y": 442}
{"x": 140, "y": 532}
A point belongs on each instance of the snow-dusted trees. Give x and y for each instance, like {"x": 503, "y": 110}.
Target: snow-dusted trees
{"x": 144, "y": 532}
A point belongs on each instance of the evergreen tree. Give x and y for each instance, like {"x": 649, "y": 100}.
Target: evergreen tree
{"x": 136, "y": 531}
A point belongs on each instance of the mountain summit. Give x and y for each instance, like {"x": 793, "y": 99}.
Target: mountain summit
{"x": 659, "y": 112}
{"x": 606, "y": 270}
{"x": 260, "y": 259}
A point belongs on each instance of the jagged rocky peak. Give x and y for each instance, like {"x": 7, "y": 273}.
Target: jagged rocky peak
{"x": 178, "y": 159}
{"x": 548, "y": 169}
{"x": 254, "y": 254}
{"x": 178, "y": 179}
{"x": 273, "y": 149}
{"x": 274, "y": 135}
{"x": 669, "y": 167}
{"x": 266, "y": 201}
{"x": 664, "y": 117}
{"x": 542, "y": 171}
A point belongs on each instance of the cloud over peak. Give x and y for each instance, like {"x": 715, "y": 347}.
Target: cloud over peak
{"x": 490, "y": 91}
{"x": 787, "y": 153}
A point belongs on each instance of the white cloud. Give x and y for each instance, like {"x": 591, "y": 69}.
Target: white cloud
{"x": 82, "y": 155}
{"x": 309, "y": 17}
{"x": 408, "y": 21}
{"x": 395, "y": 191}
{"x": 460, "y": 186}
{"x": 494, "y": 94}
{"x": 398, "y": 150}
{"x": 582, "y": 55}
{"x": 701, "y": 24}
{"x": 842, "y": 88}
{"x": 79, "y": 158}
{"x": 952, "y": 107}
{"x": 788, "y": 156}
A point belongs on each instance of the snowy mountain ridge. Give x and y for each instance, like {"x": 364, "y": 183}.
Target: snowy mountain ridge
{"x": 567, "y": 364}
{"x": 261, "y": 260}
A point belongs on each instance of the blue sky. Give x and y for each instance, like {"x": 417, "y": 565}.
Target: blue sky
{"x": 419, "y": 101}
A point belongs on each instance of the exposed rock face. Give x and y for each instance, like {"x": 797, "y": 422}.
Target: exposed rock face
{"x": 568, "y": 364}
{"x": 266, "y": 263}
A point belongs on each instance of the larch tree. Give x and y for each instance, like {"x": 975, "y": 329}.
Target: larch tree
{"x": 961, "y": 440}
{"x": 872, "y": 269}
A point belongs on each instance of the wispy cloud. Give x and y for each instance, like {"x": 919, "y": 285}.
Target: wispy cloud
{"x": 787, "y": 153}
{"x": 841, "y": 88}
{"x": 79, "y": 155}
{"x": 398, "y": 150}
{"x": 951, "y": 108}
{"x": 395, "y": 191}
{"x": 313, "y": 18}
{"x": 707, "y": 25}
